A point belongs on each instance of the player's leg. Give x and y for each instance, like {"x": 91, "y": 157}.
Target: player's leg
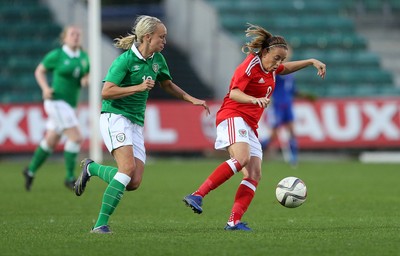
{"x": 64, "y": 118}
{"x": 71, "y": 150}
{"x": 126, "y": 143}
{"x": 116, "y": 131}
{"x": 247, "y": 187}
{"x": 294, "y": 149}
{"x": 42, "y": 152}
{"x": 115, "y": 189}
{"x": 275, "y": 116}
{"x": 130, "y": 161}
{"x": 90, "y": 168}
{"x": 106, "y": 173}
{"x": 230, "y": 135}
{"x": 265, "y": 144}
{"x": 221, "y": 174}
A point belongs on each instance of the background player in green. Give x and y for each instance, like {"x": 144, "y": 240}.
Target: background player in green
{"x": 125, "y": 92}
{"x": 69, "y": 66}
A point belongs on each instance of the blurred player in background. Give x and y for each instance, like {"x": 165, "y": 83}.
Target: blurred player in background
{"x": 237, "y": 120}
{"x": 280, "y": 114}
{"x": 69, "y": 66}
{"x": 125, "y": 91}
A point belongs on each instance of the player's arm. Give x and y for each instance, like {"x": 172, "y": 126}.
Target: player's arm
{"x": 177, "y": 92}
{"x": 41, "y": 79}
{"x": 112, "y": 91}
{"x": 85, "y": 80}
{"x": 238, "y": 95}
{"x": 293, "y": 66}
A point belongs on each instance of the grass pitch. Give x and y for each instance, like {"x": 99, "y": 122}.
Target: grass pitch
{"x": 351, "y": 209}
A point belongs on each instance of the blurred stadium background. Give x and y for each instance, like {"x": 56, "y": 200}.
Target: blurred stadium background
{"x": 358, "y": 108}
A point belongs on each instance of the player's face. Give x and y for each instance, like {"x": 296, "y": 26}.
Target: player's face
{"x": 158, "y": 39}
{"x": 273, "y": 58}
{"x": 73, "y": 37}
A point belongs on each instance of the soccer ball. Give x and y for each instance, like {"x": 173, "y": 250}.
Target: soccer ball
{"x": 291, "y": 192}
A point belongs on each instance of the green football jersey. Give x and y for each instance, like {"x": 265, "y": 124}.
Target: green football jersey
{"x": 130, "y": 69}
{"x": 67, "y": 73}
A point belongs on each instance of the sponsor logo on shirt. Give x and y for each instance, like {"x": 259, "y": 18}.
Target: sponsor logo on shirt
{"x": 136, "y": 67}
{"x": 261, "y": 81}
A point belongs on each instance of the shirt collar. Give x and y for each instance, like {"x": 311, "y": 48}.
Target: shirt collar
{"x": 70, "y": 52}
{"x": 137, "y": 53}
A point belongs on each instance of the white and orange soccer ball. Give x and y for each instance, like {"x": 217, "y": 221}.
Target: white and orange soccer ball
{"x": 291, "y": 192}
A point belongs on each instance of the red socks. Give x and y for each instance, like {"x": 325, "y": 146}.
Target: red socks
{"x": 221, "y": 174}
{"x": 243, "y": 198}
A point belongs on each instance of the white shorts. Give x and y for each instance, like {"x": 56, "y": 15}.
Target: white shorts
{"x": 60, "y": 115}
{"x": 234, "y": 130}
{"x": 118, "y": 131}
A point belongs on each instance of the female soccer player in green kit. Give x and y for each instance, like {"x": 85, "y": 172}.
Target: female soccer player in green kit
{"x": 69, "y": 66}
{"x": 125, "y": 92}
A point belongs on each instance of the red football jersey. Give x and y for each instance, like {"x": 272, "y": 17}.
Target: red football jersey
{"x": 252, "y": 79}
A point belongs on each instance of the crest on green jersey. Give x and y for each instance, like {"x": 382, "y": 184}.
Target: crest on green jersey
{"x": 155, "y": 67}
{"x": 84, "y": 63}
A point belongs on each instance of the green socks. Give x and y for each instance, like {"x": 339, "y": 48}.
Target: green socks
{"x": 111, "y": 197}
{"x": 39, "y": 157}
{"x": 105, "y": 173}
{"x": 70, "y": 163}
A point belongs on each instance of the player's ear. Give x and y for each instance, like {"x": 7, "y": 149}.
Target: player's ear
{"x": 147, "y": 38}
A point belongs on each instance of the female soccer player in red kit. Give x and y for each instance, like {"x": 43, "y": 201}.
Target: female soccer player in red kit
{"x": 237, "y": 120}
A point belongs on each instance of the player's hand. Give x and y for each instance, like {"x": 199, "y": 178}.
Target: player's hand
{"x": 321, "y": 68}
{"x": 261, "y": 102}
{"x": 85, "y": 81}
{"x": 203, "y": 103}
{"x": 147, "y": 84}
{"x": 47, "y": 93}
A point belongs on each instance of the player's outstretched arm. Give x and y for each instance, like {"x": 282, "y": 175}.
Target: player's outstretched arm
{"x": 177, "y": 92}
{"x": 293, "y": 66}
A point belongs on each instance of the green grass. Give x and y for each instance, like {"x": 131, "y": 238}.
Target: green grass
{"x": 351, "y": 209}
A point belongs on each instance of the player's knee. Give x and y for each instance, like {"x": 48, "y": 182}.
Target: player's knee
{"x": 257, "y": 177}
{"x": 254, "y": 175}
{"x": 72, "y": 146}
{"x": 243, "y": 160}
{"x": 46, "y": 146}
{"x": 134, "y": 184}
{"x": 128, "y": 168}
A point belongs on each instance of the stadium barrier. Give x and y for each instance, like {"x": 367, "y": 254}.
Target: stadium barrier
{"x": 360, "y": 123}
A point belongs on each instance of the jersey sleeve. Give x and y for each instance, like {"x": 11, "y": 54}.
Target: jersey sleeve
{"x": 50, "y": 60}
{"x": 163, "y": 73}
{"x": 117, "y": 71}
{"x": 240, "y": 79}
{"x": 280, "y": 69}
